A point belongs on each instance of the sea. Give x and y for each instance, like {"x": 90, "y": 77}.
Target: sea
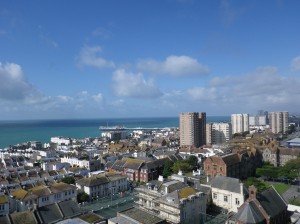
{"x": 20, "y": 131}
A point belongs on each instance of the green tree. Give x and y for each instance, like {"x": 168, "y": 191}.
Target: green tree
{"x": 68, "y": 180}
{"x": 167, "y": 168}
{"x": 260, "y": 186}
{"x": 268, "y": 171}
{"x": 192, "y": 160}
{"x": 183, "y": 166}
{"x": 82, "y": 197}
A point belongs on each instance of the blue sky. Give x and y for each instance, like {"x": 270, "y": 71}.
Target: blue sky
{"x": 138, "y": 58}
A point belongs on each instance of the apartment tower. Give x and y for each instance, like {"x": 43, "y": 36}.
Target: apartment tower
{"x": 192, "y": 129}
{"x": 240, "y": 123}
{"x": 218, "y": 133}
{"x": 279, "y": 121}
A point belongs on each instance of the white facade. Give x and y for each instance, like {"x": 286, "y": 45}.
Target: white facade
{"x": 240, "y": 123}
{"x": 103, "y": 185}
{"x": 180, "y": 206}
{"x": 91, "y": 165}
{"x": 61, "y": 140}
{"x": 219, "y": 132}
{"x": 279, "y": 121}
{"x": 257, "y": 120}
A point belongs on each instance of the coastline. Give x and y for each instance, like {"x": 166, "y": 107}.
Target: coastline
{"x": 19, "y": 131}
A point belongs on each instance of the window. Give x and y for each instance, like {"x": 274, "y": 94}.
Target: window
{"x": 215, "y": 195}
{"x": 237, "y": 202}
{"x": 221, "y": 169}
{"x": 225, "y": 198}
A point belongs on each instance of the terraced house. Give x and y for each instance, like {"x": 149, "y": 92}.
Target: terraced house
{"x": 40, "y": 196}
{"x": 138, "y": 169}
{"x": 102, "y": 185}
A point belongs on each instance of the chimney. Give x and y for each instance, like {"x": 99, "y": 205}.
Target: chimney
{"x": 242, "y": 188}
{"x": 252, "y": 192}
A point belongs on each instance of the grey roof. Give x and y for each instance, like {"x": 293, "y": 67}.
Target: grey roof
{"x": 4, "y": 220}
{"x": 249, "y": 213}
{"x": 118, "y": 165}
{"x": 141, "y": 216}
{"x": 50, "y": 213}
{"x": 26, "y": 217}
{"x": 69, "y": 208}
{"x": 227, "y": 183}
{"x": 271, "y": 201}
{"x": 93, "y": 181}
{"x": 73, "y": 221}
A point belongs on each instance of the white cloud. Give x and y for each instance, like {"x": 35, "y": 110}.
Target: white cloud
{"x": 14, "y": 86}
{"x": 263, "y": 88}
{"x": 89, "y": 56}
{"x": 98, "y": 98}
{"x": 133, "y": 85}
{"x": 174, "y": 65}
{"x": 295, "y": 64}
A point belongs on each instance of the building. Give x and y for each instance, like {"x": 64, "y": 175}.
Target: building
{"x": 227, "y": 193}
{"x": 257, "y": 120}
{"x": 91, "y": 165}
{"x": 192, "y": 129}
{"x": 173, "y": 201}
{"x": 240, "y": 123}
{"x": 4, "y": 205}
{"x": 218, "y": 133}
{"x": 265, "y": 207}
{"x": 138, "y": 169}
{"x": 279, "y": 122}
{"x": 43, "y": 195}
{"x": 238, "y": 165}
{"x": 102, "y": 185}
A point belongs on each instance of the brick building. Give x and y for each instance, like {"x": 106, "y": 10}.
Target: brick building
{"x": 238, "y": 165}
{"x": 139, "y": 170}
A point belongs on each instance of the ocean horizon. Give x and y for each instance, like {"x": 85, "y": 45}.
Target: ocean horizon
{"x": 14, "y": 132}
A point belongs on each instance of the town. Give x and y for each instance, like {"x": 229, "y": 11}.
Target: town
{"x": 243, "y": 171}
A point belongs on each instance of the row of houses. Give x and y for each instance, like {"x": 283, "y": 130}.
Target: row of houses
{"x": 18, "y": 199}
{"x": 139, "y": 169}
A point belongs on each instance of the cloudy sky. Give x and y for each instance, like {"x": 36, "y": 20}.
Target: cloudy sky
{"x": 145, "y": 58}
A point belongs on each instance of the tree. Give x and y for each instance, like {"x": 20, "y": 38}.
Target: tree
{"x": 192, "y": 160}
{"x": 183, "y": 166}
{"x": 82, "y": 197}
{"x": 168, "y": 168}
{"x": 68, "y": 180}
{"x": 260, "y": 186}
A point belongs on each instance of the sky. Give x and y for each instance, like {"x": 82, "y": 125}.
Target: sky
{"x": 147, "y": 58}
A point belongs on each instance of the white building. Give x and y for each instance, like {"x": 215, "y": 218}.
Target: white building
{"x": 92, "y": 165}
{"x": 61, "y": 140}
{"x": 172, "y": 200}
{"x": 279, "y": 121}
{"x": 102, "y": 185}
{"x": 218, "y": 133}
{"x": 227, "y": 192}
{"x": 240, "y": 123}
